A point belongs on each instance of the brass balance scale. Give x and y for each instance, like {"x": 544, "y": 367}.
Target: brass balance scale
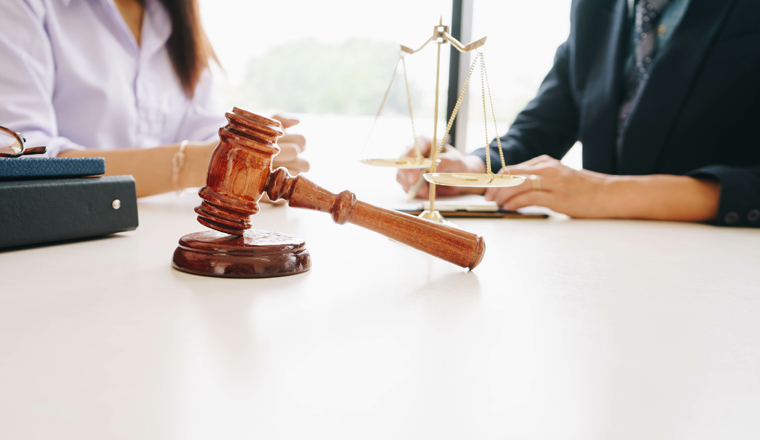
{"x": 440, "y": 37}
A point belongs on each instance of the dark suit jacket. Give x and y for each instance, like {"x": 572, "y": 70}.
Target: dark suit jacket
{"x": 698, "y": 115}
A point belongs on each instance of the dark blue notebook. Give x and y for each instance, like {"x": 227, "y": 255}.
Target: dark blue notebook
{"x": 46, "y": 210}
{"x": 44, "y": 167}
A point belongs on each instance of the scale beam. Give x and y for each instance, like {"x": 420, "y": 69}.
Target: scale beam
{"x": 469, "y": 48}
{"x": 441, "y": 35}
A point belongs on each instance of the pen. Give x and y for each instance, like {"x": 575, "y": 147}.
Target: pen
{"x": 412, "y": 193}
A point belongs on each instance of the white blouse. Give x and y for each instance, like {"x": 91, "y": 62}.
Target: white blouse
{"x": 72, "y": 76}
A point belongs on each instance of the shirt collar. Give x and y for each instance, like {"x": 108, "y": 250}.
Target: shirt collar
{"x": 157, "y": 27}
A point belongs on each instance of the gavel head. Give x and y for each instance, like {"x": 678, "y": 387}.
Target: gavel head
{"x": 239, "y": 171}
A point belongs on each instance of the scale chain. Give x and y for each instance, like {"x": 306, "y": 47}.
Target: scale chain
{"x": 493, "y": 113}
{"x": 411, "y": 114}
{"x": 485, "y": 85}
{"x": 417, "y": 151}
{"x": 453, "y": 115}
{"x": 485, "y": 115}
{"x": 382, "y": 103}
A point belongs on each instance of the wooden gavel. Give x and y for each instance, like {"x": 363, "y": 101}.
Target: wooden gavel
{"x": 240, "y": 172}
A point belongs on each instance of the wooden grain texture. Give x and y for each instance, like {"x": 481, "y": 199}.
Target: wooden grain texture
{"x": 240, "y": 172}
{"x": 255, "y": 254}
{"x": 451, "y": 244}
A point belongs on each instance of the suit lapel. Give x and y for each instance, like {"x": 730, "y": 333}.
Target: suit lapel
{"x": 671, "y": 76}
{"x": 602, "y": 96}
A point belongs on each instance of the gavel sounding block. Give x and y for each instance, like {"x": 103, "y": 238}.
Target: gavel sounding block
{"x": 255, "y": 254}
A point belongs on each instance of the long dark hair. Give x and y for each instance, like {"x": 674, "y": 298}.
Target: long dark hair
{"x": 189, "y": 48}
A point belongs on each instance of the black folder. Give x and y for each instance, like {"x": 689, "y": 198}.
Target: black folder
{"x": 42, "y": 211}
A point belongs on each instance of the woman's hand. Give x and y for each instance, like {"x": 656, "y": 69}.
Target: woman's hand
{"x": 291, "y": 146}
{"x": 555, "y": 186}
{"x": 451, "y": 161}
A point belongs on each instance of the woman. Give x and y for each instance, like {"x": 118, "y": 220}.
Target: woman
{"x": 127, "y": 80}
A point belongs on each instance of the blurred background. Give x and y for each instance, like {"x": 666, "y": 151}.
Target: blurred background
{"x": 330, "y": 62}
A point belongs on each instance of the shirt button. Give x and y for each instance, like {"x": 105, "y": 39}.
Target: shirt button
{"x": 661, "y": 29}
{"x": 731, "y": 218}
{"x": 753, "y": 215}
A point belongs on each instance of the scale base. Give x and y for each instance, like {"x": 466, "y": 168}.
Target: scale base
{"x": 256, "y": 254}
{"x": 435, "y": 216}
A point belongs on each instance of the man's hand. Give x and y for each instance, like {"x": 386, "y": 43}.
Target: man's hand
{"x": 555, "y": 186}
{"x": 586, "y": 194}
{"x": 451, "y": 161}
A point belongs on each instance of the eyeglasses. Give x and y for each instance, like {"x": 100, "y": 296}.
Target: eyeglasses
{"x": 12, "y": 144}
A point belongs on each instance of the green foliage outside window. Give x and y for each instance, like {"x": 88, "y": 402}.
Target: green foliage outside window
{"x": 309, "y": 76}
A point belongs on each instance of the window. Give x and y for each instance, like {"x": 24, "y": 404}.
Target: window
{"x": 330, "y": 62}
{"x": 523, "y": 37}
{"x": 329, "y": 59}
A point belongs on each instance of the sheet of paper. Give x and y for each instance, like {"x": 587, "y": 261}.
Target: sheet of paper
{"x": 477, "y": 204}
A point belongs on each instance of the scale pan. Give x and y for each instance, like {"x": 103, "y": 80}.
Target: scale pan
{"x": 476, "y": 180}
{"x": 407, "y": 163}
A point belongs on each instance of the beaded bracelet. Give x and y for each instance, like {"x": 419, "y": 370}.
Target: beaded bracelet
{"x": 178, "y": 162}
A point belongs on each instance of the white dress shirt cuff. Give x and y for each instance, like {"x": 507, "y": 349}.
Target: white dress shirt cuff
{"x": 55, "y": 145}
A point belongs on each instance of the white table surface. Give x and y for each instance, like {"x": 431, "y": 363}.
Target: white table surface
{"x": 568, "y": 329}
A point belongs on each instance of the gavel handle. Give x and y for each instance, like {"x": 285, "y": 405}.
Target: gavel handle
{"x": 451, "y": 244}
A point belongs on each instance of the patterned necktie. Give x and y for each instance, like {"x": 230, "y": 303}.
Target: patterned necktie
{"x": 647, "y": 14}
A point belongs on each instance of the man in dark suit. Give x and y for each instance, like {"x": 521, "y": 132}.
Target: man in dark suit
{"x": 665, "y": 97}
